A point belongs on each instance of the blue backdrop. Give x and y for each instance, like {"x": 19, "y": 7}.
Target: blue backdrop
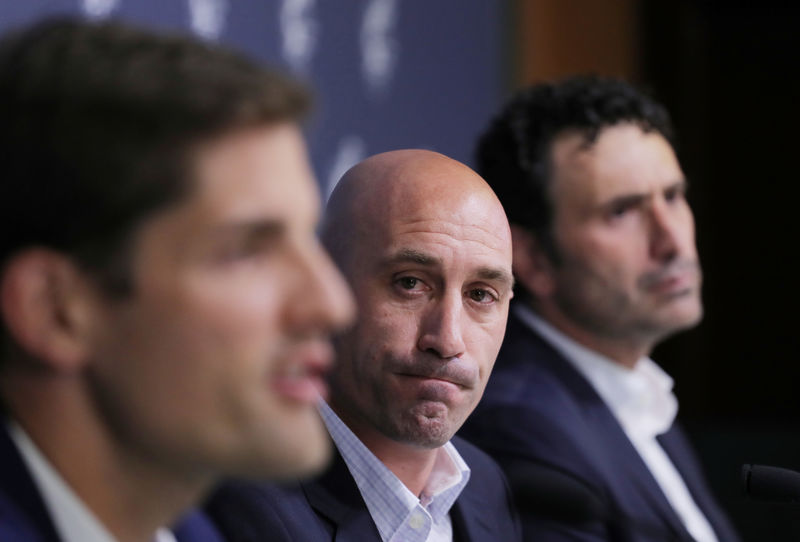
{"x": 388, "y": 74}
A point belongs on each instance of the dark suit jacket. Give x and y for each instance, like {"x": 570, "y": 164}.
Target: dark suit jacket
{"x": 24, "y": 516}
{"x": 574, "y": 471}
{"x": 331, "y": 507}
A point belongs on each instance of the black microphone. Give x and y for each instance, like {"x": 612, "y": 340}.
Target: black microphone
{"x": 771, "y": 484}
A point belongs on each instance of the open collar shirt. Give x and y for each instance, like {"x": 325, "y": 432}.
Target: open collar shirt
{"x": 73, "y": 520}
{"x": 399, "y": 515}
{"x": 642, "y": 401}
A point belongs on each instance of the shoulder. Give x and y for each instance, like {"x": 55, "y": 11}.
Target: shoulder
{"x": 23, "y": 516}
{"x": 530, "y": 371}
{"x": 535, "y": 407}
{"x": 195, "y": 526}
{"x": 487, "y": 495}
{"x": 480, "y": 464}
{"x": 251, "y": 512}
{"x": 538, "y": 408}
{"x": 16, "y": 526}
{"x": 486, "y": 477}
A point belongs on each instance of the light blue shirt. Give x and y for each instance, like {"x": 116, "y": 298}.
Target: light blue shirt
{"x": 399, "y": 515}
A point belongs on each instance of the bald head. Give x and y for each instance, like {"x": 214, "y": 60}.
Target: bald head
{"x": 426, "y": 246}
{"x": 405, "y": 185}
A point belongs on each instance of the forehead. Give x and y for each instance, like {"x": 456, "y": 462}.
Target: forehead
{"x": 247, "y": 173}
{"x": 623, "y": 160}
{"x": 470, "y": 230}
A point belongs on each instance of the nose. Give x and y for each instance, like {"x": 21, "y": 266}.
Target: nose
{"x": 323, "y": 301}
{"x": 441, "y": 328}
{"x": 664, "y": 234}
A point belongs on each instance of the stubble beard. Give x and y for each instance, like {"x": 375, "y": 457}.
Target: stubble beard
{"x": 605, "y": 310}
{"x": 424, "y": 424}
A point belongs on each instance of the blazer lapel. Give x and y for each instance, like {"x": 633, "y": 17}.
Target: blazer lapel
{"x": 335, "y": 496}
{"x": 611, "y": 452}
{"x": 678, "y": 448}
{"x": 469, "y": 524}
{"x": 21, "y": 503}
{"x": 627, "y": 471}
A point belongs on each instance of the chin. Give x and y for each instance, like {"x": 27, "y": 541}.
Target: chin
{"x": 304, "y": 459}
{"x": 300, "y": 449}
{"x": 677, "y": 323}
{"x": 690, "y": 315}
{"x": 426, "y": 432}
{"x": 311, "y": 462}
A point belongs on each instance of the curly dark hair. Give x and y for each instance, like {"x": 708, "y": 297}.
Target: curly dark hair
{"x": 513, "y": 155}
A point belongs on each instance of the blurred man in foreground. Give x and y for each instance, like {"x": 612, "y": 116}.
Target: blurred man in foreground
{"x": 425, "y": 245}
{"x": 605, "y": 258}
{"x": 165, "y": 304}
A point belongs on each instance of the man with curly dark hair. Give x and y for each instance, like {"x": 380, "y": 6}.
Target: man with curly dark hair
{"x": 606, "y": 267}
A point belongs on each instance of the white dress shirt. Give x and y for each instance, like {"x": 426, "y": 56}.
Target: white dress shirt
{"x": 73, "y": 520}
{"x": 399, "y": 515}
{"x": 642, "y": 401}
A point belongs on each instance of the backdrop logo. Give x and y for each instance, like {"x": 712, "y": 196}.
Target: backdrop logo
{"x": 208, "y": 17}
{"x": 378, "y": 45}
{"x": 299, "y": 33}
{"x": 99, "y": 9}
{"x": 351, "y": 150}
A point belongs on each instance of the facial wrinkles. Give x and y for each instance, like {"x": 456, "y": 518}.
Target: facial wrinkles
{"x": 610, "y": 292}
{"x": 446, "y": 215}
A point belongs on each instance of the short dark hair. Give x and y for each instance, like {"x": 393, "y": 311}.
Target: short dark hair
{"x": 513, "y": 155}
{"x": 97, "y": 125}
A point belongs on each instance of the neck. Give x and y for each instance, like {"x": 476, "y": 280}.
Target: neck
{"x": 625, "y": 351}
{"x": 411, "y": 464}
{"x": 128, "y": 493}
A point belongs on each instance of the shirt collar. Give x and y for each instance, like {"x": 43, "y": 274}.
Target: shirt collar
{"x": 389, "y": 501}
{"x": 640, "y": 398}
{"x": 72, "y": 518}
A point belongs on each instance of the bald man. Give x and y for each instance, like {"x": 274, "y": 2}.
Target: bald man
{"x": 426, "y": 247}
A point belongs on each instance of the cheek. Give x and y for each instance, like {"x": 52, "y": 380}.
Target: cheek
{"x": 240, "y": 312}
{"x": 687, "y": 235}
{"x": 484, "y": 344}
{"x": 392, "y": 328}
{"x": 209, "y": 336}
{"x": 611, "y": 261}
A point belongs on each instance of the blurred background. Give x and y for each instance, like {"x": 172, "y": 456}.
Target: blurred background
{"x": 420, "y": 73}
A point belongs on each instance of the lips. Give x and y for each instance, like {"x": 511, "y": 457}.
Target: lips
{"x": 448, "y": 372}
{"x": 302, "y": 377}
{"x": 671, "y": 284}
{"x": 675, "y": 279}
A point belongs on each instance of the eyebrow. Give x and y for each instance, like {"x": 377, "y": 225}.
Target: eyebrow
{"x": 408, "y": 255}
{"x": 636, "y": 198}
{"x": 420, "y": 258}
{"x": 251, "y": 229}
{"x": 497, "y": 275}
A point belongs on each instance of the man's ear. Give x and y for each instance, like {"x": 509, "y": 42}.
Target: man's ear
{"x": 47, "y": 305}
{"x": 532, "y": 267}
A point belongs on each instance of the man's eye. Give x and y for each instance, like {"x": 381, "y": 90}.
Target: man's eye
{"x": 481, "y": 296}
{"x": 408, "y": 283}
{"x": 619, "y": 210}
{"x": 674, "y": 194}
